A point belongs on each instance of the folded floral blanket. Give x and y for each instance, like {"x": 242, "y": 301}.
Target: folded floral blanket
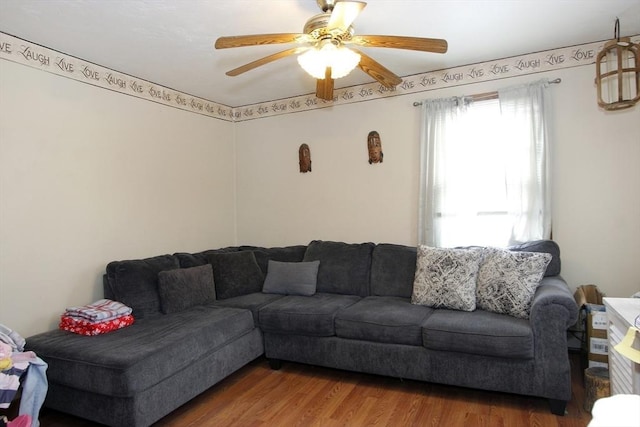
{"x": 104, "y": 309}
{"x": 86, "y": 327}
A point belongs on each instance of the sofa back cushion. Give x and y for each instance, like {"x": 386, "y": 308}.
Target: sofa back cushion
{"x": 183, "y": 288}
{"x": 196, "y": 259}
{"x": 283, "y": 254}
{"x": 393, "y": 270}
{"x": 344, "y": 267}
{"x": 135, "y": 283}
{"x": 235, "y": 274}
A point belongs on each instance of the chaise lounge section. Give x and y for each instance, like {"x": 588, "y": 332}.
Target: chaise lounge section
{"x": 334, "y": 304}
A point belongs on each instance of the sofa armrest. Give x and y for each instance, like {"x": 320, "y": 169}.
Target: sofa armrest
{"x": 553, "y": 290}
{"x": 553, "y": 311}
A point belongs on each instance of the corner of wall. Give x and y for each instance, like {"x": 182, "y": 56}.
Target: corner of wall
{"x": 234, "y": 135}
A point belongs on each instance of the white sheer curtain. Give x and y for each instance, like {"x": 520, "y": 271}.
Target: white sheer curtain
{"x": 526, "y": 110}
{"x": 484, "y": 169}
{"x": 438, "y": 114}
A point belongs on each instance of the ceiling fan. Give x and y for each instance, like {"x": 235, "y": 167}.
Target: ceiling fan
{"x": 325, "y": 48}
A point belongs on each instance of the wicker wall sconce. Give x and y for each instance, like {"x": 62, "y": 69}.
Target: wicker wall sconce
{"x": 618, "y": 73}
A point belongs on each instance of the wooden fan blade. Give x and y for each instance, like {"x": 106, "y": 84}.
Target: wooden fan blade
{"x": 402, "y": 42}
{"x": 344, "y": 13}
{"x": 260, "y": 39}
{"x": 262, "y": 61}
{"x": 377, "y": 70}
{"x": 324, "y": 87}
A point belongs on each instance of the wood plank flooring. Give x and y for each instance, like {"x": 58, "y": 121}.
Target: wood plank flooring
{"x": 302, "y": 395}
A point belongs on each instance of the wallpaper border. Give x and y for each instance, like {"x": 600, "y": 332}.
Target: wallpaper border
{"x": 544, "y": 61}
{"x": 42, "y": 58}
{"x": 36, "y": 56}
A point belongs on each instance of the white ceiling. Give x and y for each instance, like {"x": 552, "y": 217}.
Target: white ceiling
{"x": 170, "y": 42}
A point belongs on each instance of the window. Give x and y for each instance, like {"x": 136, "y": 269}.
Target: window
{"x": 484, "y": 171}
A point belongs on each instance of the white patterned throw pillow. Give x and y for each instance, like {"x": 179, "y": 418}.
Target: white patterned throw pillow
{"x": 446, "y": 278}
{"x": 508, "y": 280}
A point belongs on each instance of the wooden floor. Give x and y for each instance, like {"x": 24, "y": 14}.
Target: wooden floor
{"x": 302, "y": 395}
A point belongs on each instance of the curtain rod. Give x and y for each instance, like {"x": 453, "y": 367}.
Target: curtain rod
{"x": 488, "y": 95}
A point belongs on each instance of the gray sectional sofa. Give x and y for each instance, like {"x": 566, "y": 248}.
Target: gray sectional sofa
{"x": 357, "y": 316}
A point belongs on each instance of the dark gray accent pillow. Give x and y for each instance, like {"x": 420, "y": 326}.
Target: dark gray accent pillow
{"x": 543, "y": 246}
{"x": 184, "y": 288}
{"x": 235, "y": 274}
{"x": 135, "y": 283}
{"x": 291, "y": 278}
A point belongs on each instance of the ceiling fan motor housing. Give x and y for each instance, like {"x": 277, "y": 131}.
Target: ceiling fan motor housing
{"x": 326, "y": 5}
{"x": 316, "y": 27}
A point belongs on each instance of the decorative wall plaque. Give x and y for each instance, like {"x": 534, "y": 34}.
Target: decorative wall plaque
{"x": 304, "y": 154}
{"x": 374, "y": 145}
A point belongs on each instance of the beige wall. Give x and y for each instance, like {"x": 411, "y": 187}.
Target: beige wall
{"x": 88, "y": 176}
{"x": 596, "y": 190}
{"x": 344, "y": 197}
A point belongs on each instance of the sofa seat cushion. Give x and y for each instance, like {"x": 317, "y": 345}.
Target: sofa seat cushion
{"x": 478, "y": 332}
{"x": 253, "y": 301}
{"x": 301, "y": 315}
{"x": 383, "y": 319}
{"x": 130, "y": 360}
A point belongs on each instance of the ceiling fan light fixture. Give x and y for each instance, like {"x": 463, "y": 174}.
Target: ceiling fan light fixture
{"x": 321, "y": 47}
{"x": 342, "y": 61}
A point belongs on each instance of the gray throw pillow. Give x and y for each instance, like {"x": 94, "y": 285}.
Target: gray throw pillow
{"x": 507, "y": 281}
{"x": 446, "y": 278}
{"x": 546, "y": 246}
{"x": 291, "y": 278}
{"x": 184, "y": 288}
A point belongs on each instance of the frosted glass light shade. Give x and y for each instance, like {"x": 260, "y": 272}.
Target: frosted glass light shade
{"x": 341, "y": 60}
